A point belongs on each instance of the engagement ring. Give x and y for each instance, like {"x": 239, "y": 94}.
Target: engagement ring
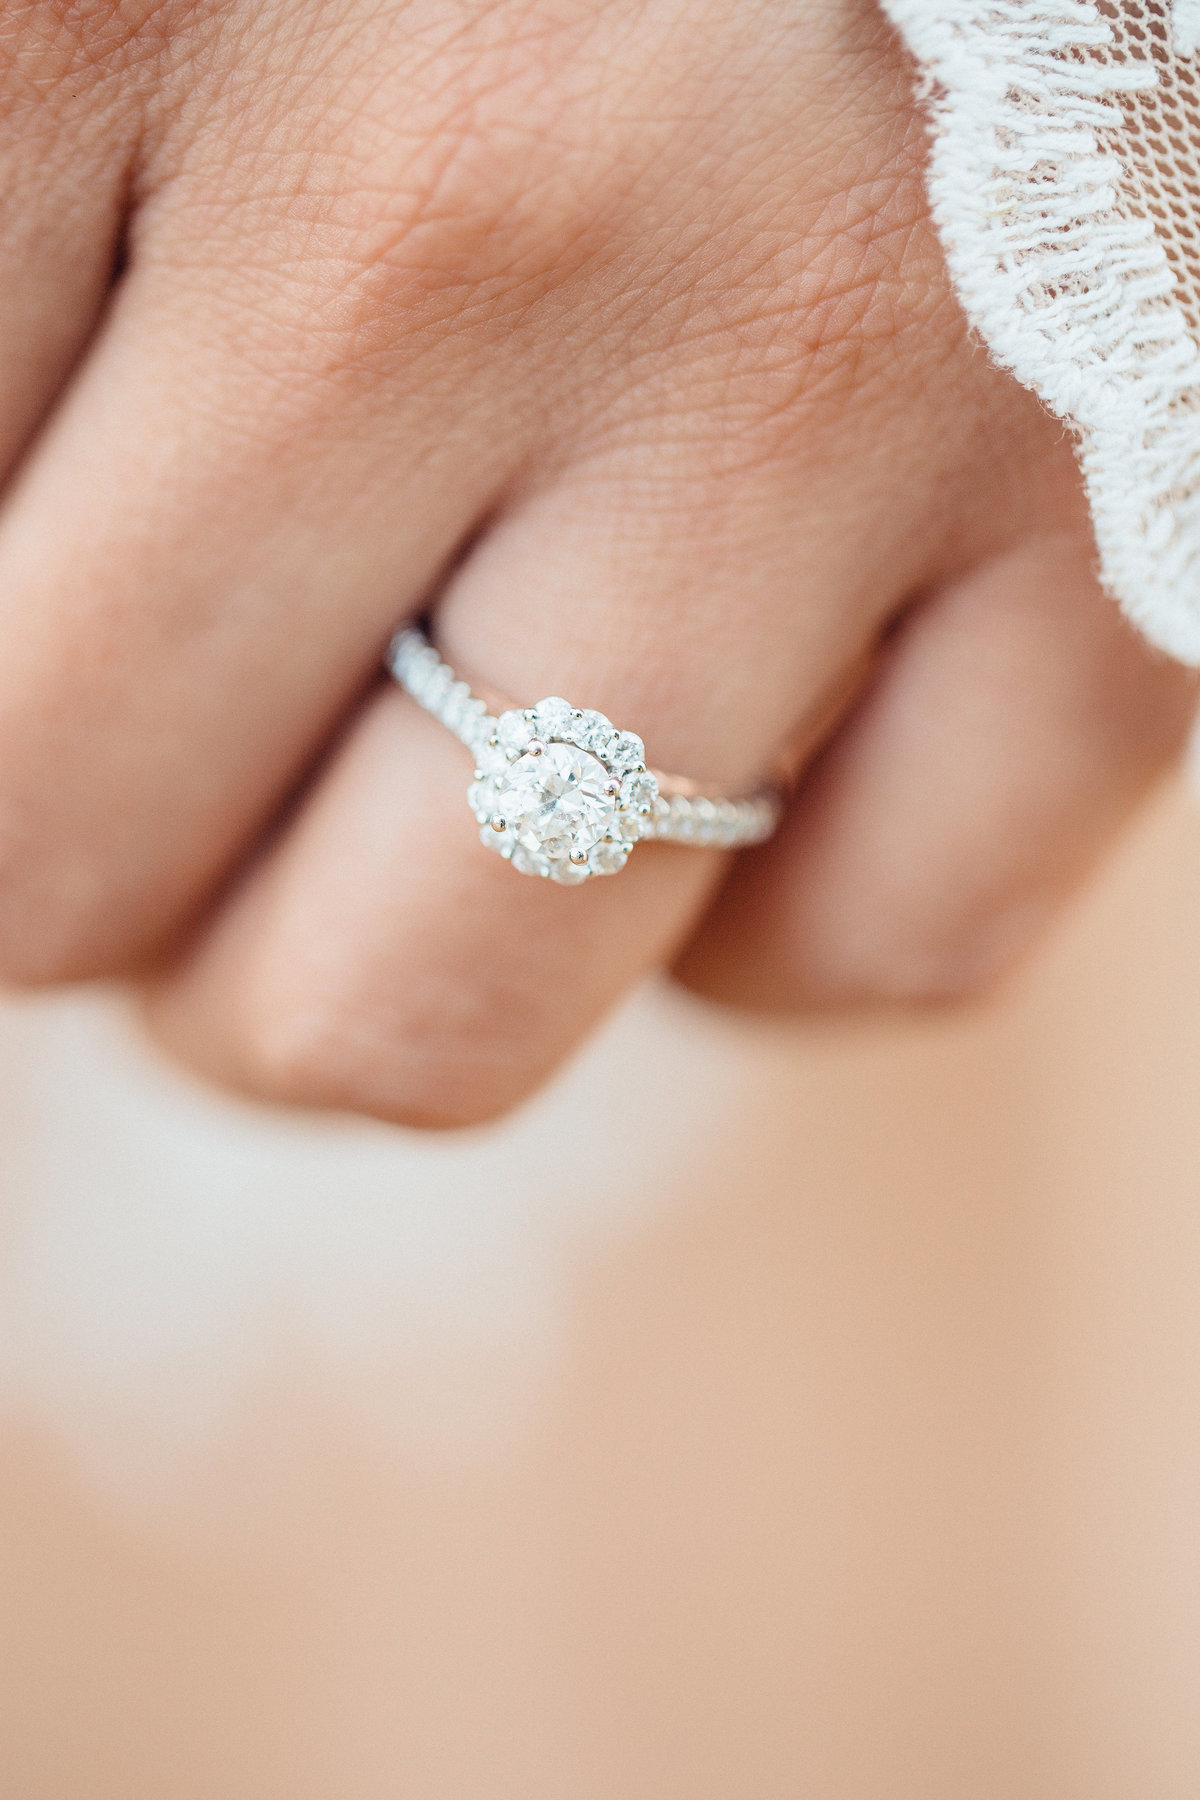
{"x": 559, "y": 791}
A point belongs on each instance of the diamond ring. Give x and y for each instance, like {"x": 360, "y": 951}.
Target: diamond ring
{"x": 558, "y": 790}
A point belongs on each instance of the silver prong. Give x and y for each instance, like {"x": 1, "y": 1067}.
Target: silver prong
{"x": 534, "y": 747}
{"x": 498, "y": 822}
{"x": 612, "y": 788}
{"x": 529, "y": 715}
{"x": 578, "y": 857}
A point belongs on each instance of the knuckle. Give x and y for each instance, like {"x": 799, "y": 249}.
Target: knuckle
{"x": 53, "y": 932}
{"x": 47, "y": 47}
{"x": 930, "y": 965}
{"x": 79, "y": 900}
{"x": 302, "y": 1051}
{"x": 344, "y": 1053}
{"x": 445, "y": 220}
{"x": 41, "y": 906}
{"x": 459, "y": 188}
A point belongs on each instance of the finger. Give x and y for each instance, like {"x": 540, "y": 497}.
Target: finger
{"x": 1014, "y": 725}
{"x": 377, "y": 961}
{"x": 378, "y": 958}
{"x": 68, "y": 134}
{"x": 199, "y": 568}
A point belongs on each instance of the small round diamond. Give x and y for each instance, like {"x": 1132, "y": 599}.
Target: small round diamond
{"x": 625, "y": 750}
{"x": 553, "y": 717}
{"x": 552, "y": 803}
{"x": 608, "y": 857}
{"x": 592, "y": 731}
{"x": 513, "y": 732}
{"x": 639, "y": 792}
{"x": 490, "y": 758}
{"x": 483, "y": 798}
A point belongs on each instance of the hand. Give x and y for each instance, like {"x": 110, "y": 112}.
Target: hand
{"x": 616, "y": 333}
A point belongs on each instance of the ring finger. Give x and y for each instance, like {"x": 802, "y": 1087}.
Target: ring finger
{"x": 376, "y": 958}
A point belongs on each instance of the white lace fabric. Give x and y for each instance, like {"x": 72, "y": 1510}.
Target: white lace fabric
{"x": 1065, "y": 182}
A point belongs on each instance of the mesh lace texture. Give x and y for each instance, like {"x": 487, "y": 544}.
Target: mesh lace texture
{"x": 1065, "y": 182}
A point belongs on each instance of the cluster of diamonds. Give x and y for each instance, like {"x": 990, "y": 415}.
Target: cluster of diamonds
{"x": 558, "y": 790}
{"x": 561, "y": 792}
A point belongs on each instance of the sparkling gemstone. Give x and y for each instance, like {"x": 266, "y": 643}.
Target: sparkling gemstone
{"x": 569, "y": 872}
{"x": 483, "y": 798}
{"x": 521, "y": 859}
{"x": 513, "y": 730}
{"x": 490, "y": 758}
{"x": 608, "y": 857}
{"x": 592, "y": 731}
{"x": 639, "y": 791}
{"x": 625, "y": 750}
{"x": 552, "y": 804}
{"x": 553, "y": 717}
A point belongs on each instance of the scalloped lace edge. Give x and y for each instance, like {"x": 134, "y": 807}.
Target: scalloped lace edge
{"x": 1067, "y": 284}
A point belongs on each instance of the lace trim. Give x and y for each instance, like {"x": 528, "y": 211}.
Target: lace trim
{"x": 1064, "y": 277}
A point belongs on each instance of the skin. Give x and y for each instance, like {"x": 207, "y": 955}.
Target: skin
{"x": 616, "y": 334}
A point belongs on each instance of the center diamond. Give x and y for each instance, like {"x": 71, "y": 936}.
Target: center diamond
{"x": 555, "y": 803}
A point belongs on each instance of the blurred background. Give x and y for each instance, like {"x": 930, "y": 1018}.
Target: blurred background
{"x": 767, "y": 1412}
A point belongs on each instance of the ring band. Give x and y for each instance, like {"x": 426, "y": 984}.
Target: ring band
{"x": 559, "y": 791}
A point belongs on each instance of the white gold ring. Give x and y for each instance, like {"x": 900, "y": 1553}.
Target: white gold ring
{"x": 558, "y": 790}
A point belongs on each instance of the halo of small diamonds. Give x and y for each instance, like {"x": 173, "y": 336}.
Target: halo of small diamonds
{"x": 560, "y": 792}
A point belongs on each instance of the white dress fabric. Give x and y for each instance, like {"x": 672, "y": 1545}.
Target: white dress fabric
{"x": 1065, "y": 182}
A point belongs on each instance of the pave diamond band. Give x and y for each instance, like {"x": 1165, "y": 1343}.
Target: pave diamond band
{"x": 559, "y": 791}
